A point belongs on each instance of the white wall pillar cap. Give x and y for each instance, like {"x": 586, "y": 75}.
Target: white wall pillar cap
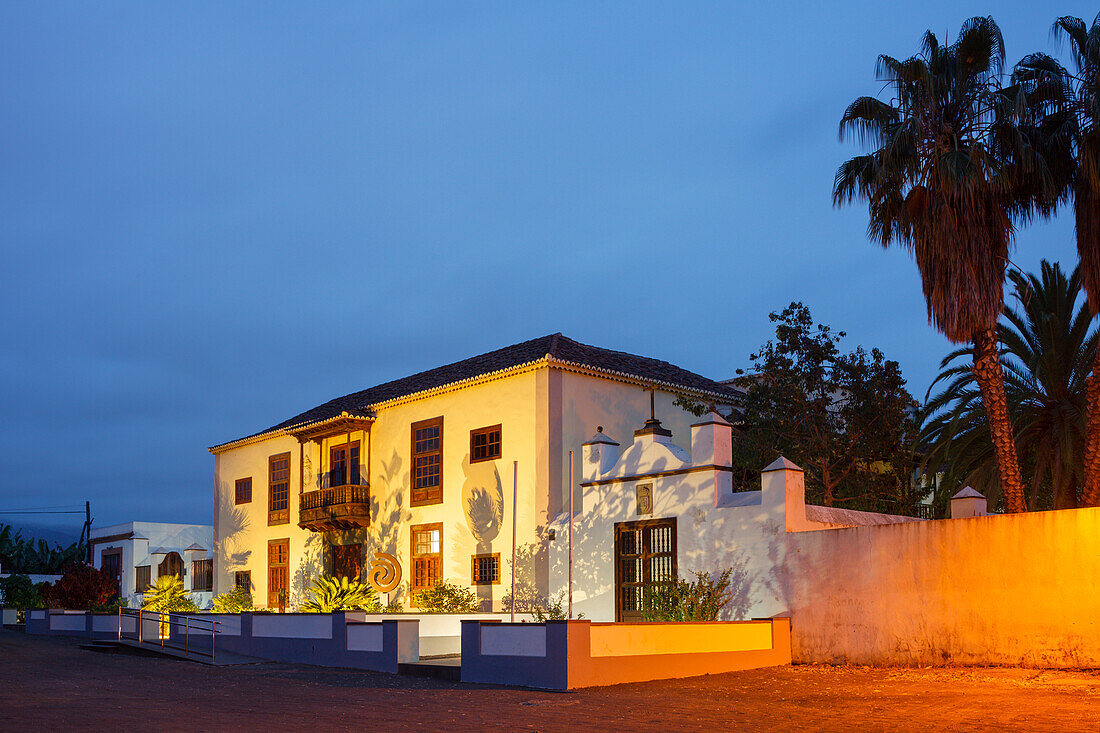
{"x": 781, "y": 464}
{"x": 968, "y": 493}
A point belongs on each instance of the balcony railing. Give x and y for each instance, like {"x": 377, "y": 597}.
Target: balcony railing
{"x": 335, "y": 508}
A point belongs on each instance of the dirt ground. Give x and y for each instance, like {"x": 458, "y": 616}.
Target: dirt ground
{"x": 52, "y": 684}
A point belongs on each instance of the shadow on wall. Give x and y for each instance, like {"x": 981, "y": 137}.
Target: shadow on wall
{"x": 230, "y": 546}
{"x": 483, "y": 509}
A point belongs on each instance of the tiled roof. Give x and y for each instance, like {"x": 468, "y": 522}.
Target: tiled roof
{"x": 556, "y": 346}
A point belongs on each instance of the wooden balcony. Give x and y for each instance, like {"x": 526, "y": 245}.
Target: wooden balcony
{"x": 336, "y": 508}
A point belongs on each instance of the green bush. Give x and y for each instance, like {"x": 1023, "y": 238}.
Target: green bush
{"x": 329, "y": 594}
{"x": 235, "y": 601}
{"x": 552, "y": 609}
{"x": 701, "y": 599}
{"x": 446, "y": 597}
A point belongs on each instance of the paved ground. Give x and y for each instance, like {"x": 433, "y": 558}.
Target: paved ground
{"x": 51, "y": 684}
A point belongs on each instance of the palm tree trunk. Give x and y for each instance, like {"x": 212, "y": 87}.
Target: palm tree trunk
{"x": 1090, "y": 487}
{"x": 990, "y": 378}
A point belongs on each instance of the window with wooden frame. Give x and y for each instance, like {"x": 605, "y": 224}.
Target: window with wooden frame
{"x": 485, "y": 444}
{"x": 344, "y": 464}
{"x": 243, "y": 493}
{"x": 171, "y": 565}
{"x": 427, "y": 555}
{"x": 111, "y": 565}
{"x": 202, "y": 575}
{"x": 427, "y": 462}
{"x": 143, "y": 575}
{"x": 243, "y": 579}
{"x": 645, "y": 556}
{"x": 278, "y": 562}
{"x": 347, "y": 561}
{"x": 485, "y": 569}
{"x": 278, "y": 492}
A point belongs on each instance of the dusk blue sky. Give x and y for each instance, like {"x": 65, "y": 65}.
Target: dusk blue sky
{"x": 217, "y": 215}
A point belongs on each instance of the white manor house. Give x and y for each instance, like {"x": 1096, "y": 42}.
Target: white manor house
{"x": 422, "y": 467}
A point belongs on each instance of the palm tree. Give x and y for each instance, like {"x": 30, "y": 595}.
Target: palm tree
{"x": 938, "y": 184}
{"x": 1049, "y": 347}
{"x": 1068, "y": 114}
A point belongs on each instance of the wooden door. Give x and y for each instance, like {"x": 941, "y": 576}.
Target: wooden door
{"x": 645, "y": 554}
{"x": 278, "y": 556}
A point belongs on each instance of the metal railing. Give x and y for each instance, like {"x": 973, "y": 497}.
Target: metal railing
{"x": 201, "y": 628}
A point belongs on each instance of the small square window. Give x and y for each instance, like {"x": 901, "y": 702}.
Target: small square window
{"x": 243, "y": 579}
{"x": 485, "y": 444}
{"x": 244, "y": 490}
{"x": 485, "y": 569}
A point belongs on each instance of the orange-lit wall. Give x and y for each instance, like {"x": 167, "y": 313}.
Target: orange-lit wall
{"x": 1013, "y": 589}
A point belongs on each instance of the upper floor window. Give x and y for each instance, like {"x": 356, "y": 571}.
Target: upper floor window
{"x": 278, "y": 489}
{"x": 427, "y": 462}
{"x": 243, "y": 493}
{"x": 344, "y": 464}
{"x": 485, "y": 444}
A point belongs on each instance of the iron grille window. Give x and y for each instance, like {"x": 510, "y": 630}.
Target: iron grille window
{"x": 427, "y": 555}
{"x": 427, "y": 462}
{"x": 485, "y": 569}
{"x": 645, "y": 556}
{"x": 243, "y": 579}
{"x": 243, "y": 493}
{"x": 202, "y": 575}
{"x": 144, "y": 579}
{"x": 485, "y": 444}
{"x": 278, "y": 489}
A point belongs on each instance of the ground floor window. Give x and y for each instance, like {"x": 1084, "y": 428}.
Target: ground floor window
{"x": 111, "y": 566}
{"x": 171, "y": 565}
{"x": 143, "y": 578}
{"x": 202, "y": 575}
{"x": 427, "y": 555}
{"x": 347, "y": 561}
{"x": 278, "y": 561}
{"x": 645, "y": 555}
{"x": 243, "y": 579}
{"x": 485, "y": 569}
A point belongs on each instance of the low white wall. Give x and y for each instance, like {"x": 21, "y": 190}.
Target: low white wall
{"x": 528, "y": 640}
{"x": 67, "y": 621}
{"x": 364, "y": 637}
{"x": 440, "y": 633}
{"x": 293, "y": 626}
{"x": 11, "y": 615}
{"x": 110, "y": 623}
{"x": 36, "y": 614}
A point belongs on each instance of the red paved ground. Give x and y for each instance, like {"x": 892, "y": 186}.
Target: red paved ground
{"x": 51, "y": 684}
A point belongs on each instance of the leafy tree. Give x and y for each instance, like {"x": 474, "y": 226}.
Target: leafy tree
{"x": 234, "y": 601}
{"x": 82, "y": 587}
{"x": 1065, "y": 106}
{"x": 446, "y": 597}
{"x": 328, "y": 594}
{"x": 17, "y": 591}
{"x": 20, "y": 555}
{"x": 943, "y": 182}
{"x": 1049, "y": 346}
{"x": 166, "y": 594}
{"x": 845, "y": 419}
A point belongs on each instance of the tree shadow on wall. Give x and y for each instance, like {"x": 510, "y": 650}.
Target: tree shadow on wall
{"x": 483, "y": 510}
{"x": 233, "y": 525}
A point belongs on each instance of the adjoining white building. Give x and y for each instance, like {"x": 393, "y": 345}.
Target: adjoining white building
{"x": 658, "y": 510}
{"x": 137, "y": 553}
{"x": 421, "y": 468}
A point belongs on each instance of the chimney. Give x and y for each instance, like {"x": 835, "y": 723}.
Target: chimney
{"x": 598, "y": 454}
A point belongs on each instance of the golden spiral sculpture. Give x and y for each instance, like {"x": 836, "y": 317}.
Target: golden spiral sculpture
{"x": 385, "y": 572}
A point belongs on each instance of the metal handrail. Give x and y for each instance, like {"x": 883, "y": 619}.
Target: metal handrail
{"x": 166, "y": 620}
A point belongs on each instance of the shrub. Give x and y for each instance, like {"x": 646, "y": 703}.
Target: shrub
{"x": 19, "y": 592}
{"x": 166, "y": 594}
{"x": 82, "y": 587}
{"x": 329, "y": 594}
{"x": 552, "y": 609}
{"x": 446, "y": 597}
{"x": 235, "y": 601}
{"x": 701, "y": 599}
